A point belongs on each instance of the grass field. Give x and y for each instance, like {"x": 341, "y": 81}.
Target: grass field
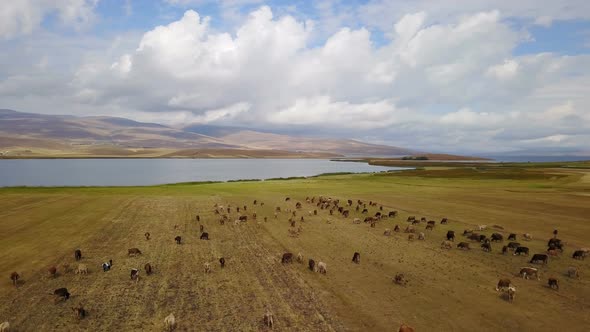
{"x": 448, "y": 290}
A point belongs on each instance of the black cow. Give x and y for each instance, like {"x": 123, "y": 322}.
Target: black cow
{"x": 222, "y": 262}
{"x": 579, "y": 254}
{"x": 61, "y": 293}
{"x": 539, "y": 258}
{"x": 521, "y": 251}
{"x": 553, "y": 283}
{"x": 311, "y": 265}
{"x": 451, "y": 235}
{"x": 356, "y": 258}
{"x": 148, "y": 269}
{"x": 392, "y": 214}
{"x": 178, "y": 239}
{"x": 444, "y": 221}
{"x": 287, "y": 258}
{"x": 204, "y": 236}
{"x": 513, "y": 245}
{"x": 486, "y": 247}
{"x": 504, "y": 250}
{"x": 482, "y": 238}
{"x": 78, "y": 254}
{"x": 554, "y": 244}
{"x": 512, "y": 237}
{"x": 497, "y": 237}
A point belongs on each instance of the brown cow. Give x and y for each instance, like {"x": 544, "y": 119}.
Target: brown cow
{"x": 14, "y": 277}
{"x": 400, "y": 279}
{"x": 527, "y": 272}
{"x": 148, "y": 268}
{"x": 222, "y": 262}
{"x": 322, "y": 268}
{"x": 356, "y": 258}
{"x": 387, "y": 232}
{"x": 178, "y": 239}
{"x": 405, "y": 328}
{"x": 52, "y": 271}
{"x": 287, "y": 258}
{"x": 572, "y": 272}
{"x": 133, "y": 252}
{"x": 204, "y": 236}
{"x": 463, "y": 245}
{"x": 446, "y": 245}
{"x": 61, "y": 294}
{"x": 147, "y": 235}
{"x": 268, "y": 319}
{"x": 503, "y": 283}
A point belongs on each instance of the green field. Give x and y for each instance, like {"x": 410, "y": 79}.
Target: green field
{"x": 448, "y": 290}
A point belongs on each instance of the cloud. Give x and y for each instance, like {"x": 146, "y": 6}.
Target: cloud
{"x": 21, "y": 17}
{"x": 436, "y": 83}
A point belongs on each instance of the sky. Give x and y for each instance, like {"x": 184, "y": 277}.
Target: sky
{"x": 469, "y": 76}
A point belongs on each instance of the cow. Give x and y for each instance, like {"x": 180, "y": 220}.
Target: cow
{"x": 369, "y": 219}
{"x": 148, "y": 269}
{"x": 400, "y": 279}
{"x": 199, "y": 218}
{"x": 527, "y": 236}
{"x": 482, "y": 227}
{"x": 497, "y": 237}
{"x": 423, "y": 219}
{"x": 61, "y": 294}
{"x": 299, "y": 258}
{"x": 411, "y": 218}
{"x": 268, "y": 319}
{"x": 78, "y": 254}
{"x": 311, "y": 265}
{"x": 178, "y": 239}
{"x": 446, "y": 245}
{"x": 431, "y": 222}
{"x": 579, "y": 254}
{"x": 135, "y": 275}
{"x": 421, "y": 236}
{"x": 356, "y": 258}
{"x": 527, "y": 272}
{"x": 345, "y": 213}
{"x": 405, "y": 328}
{"x": 513, "y": 245}
{"x": 170, "y": 322}
{"x": 207, "y": 267}
{"x": 451, "y": 236}
{"x": 553, "y": 283}
{"x": 539, "y": 259}
{"x": 5, "y": 327}
{"x": 503, "y": 283}
{"x": 474, "y": 237}
{"x": 444, "y": 221}
{"x": 14, "y": 276}
{"x": 387, "y": 232}
{"x": 373, "y": 224}
{"x": 287, "y": 258}
{"x": 553, "y": 252}
{"x": 411, "y": 237}
{"x": 463, "y": 245}
{"x": 322, "y": 268}
{"x": 106, "y": 266}
{"x": 222, "y": 262}
{"x": 555, "y": 243}
{"x": 365, "y": 211}
{"x": 396, "y": 229}
{"x": 572, "y": 272}
{"x": 52, "y": 271}
{"x": 512, "y": 237}
{"x": 82, "y": 269}
{"x": 521, "y": 251}
{"x": 243, "y": 218}
{"x": 504, "y": 250}
{"x": 133, "y": 252}
{"x": 486, "y": 247}
{"x": 510, "y": 292}
{"x": 392, "y": 214}
{"x": 147, "y": 236}
{"x": 409, "y": 229}
{"x": 467, "y": 232}
{"x": 429, "y": 227}
{"x": 204, "y": 236}
{"x": 482, "y": 238}
{"x": 79, "y": 311}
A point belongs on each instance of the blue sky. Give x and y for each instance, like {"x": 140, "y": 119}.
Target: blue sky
{"x": 462, "y": 75}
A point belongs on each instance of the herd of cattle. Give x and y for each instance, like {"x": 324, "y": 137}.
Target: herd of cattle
{"x": 554, "y": 247}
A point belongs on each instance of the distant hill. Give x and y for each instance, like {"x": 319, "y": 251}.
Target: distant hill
{"x": 30, "y": 134}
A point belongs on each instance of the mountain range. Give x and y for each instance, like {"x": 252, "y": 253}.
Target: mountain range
{"x": 31, "y": 134}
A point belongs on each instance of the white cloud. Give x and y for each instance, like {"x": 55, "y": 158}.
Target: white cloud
{"x": 433, "y": 86}
{"x": 24, "y": 16}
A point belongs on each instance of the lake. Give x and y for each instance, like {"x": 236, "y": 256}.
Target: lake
{"x": 143, "y": 172}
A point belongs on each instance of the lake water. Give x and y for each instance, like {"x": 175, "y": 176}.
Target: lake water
{"x": 142, "y": 172}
